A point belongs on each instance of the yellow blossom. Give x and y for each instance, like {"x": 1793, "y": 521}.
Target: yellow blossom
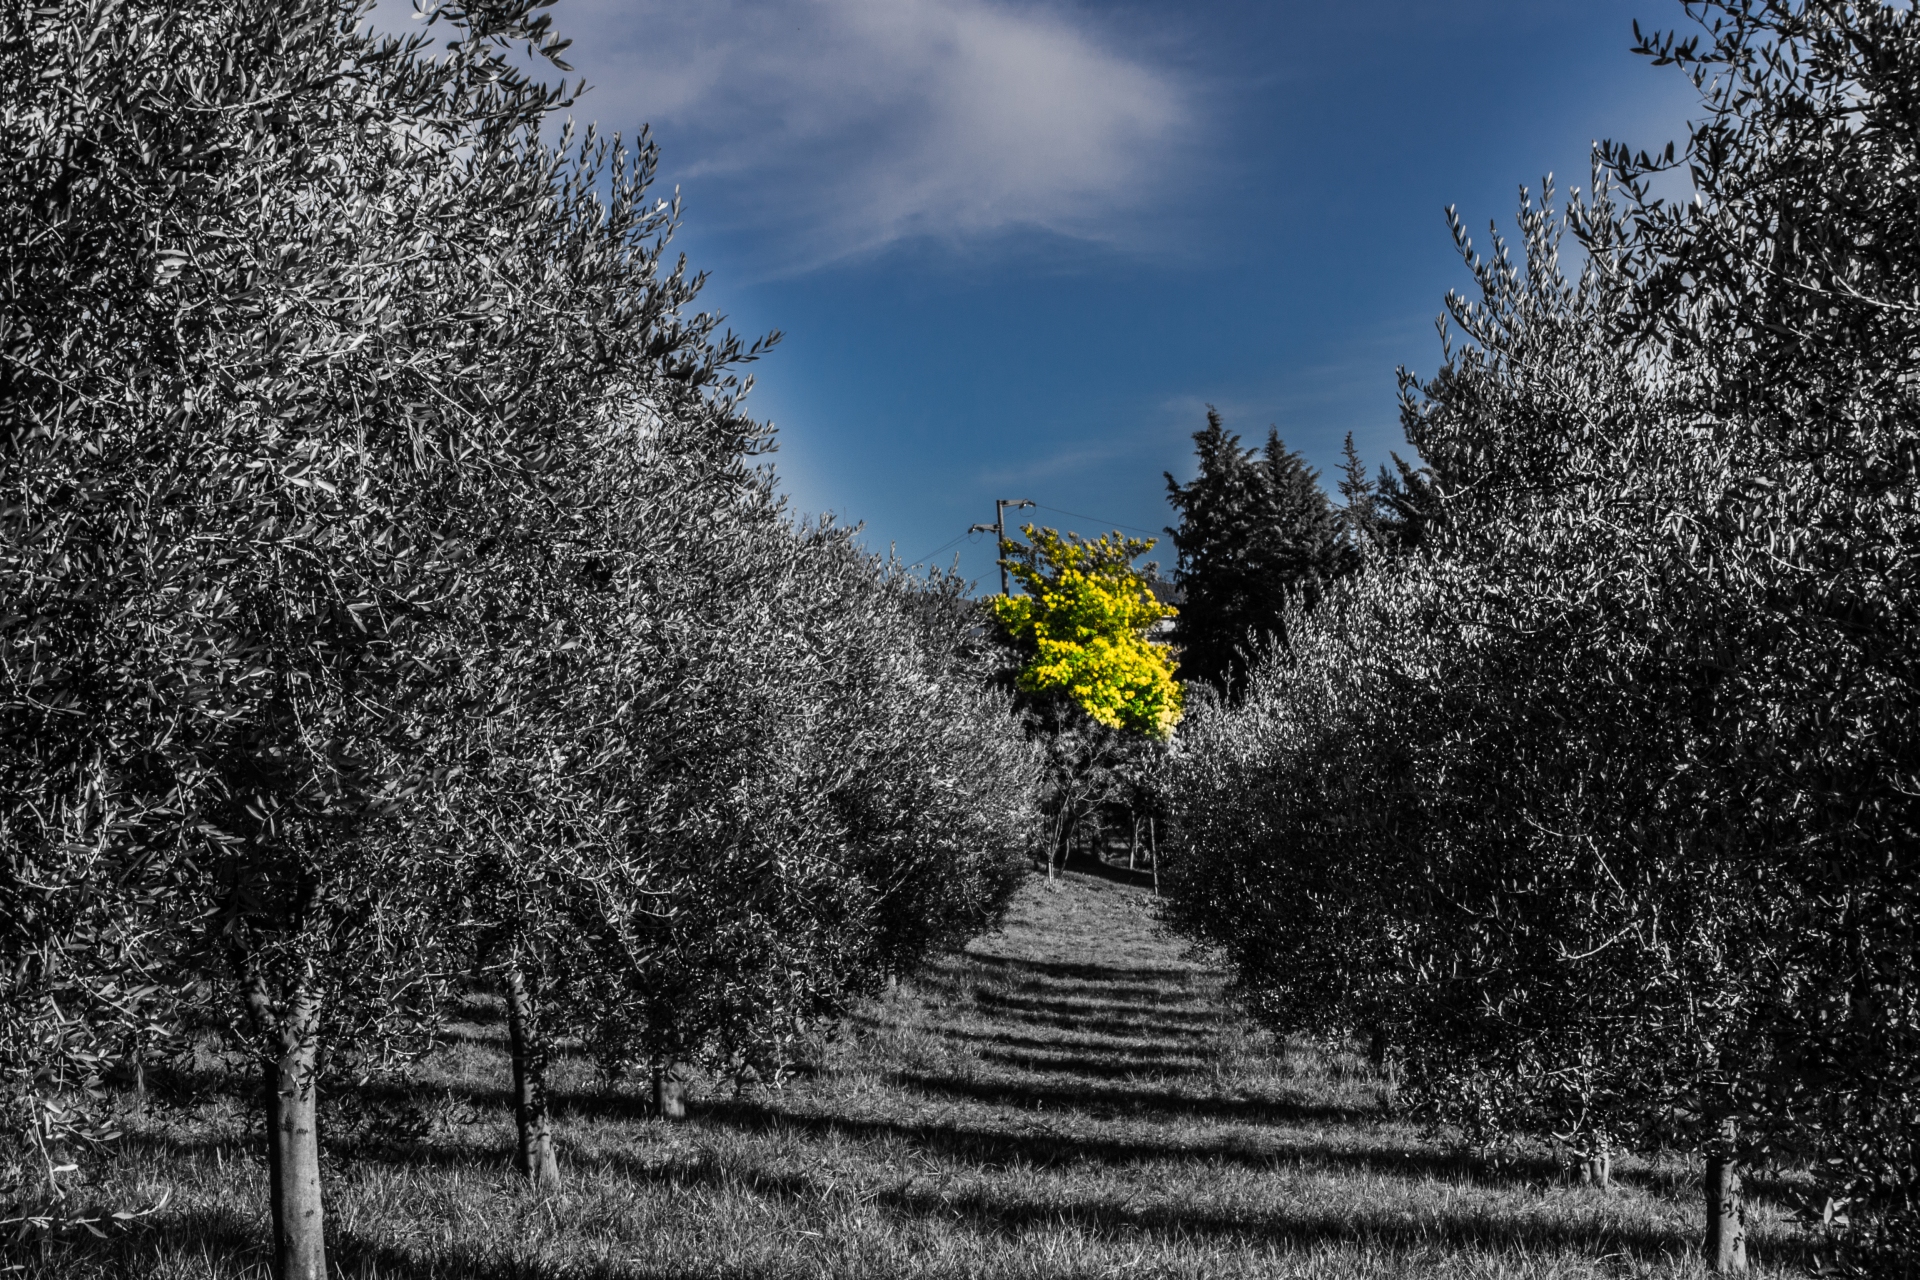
{"x": 1088, "y": 613}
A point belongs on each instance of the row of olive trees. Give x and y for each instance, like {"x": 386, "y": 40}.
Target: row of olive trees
{"x": 1600, "y": 810}
{"x": 388, "y": 593}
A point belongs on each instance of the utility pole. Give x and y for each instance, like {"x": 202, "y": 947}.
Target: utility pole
{"x": 999, "y": 530}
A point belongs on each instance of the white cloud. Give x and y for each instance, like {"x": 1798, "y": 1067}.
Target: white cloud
{"x": 833, "y": 128}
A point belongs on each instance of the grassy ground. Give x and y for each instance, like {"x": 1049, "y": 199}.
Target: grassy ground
{"x": 1068, "y": 1098}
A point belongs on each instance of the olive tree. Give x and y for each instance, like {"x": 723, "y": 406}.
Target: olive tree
{"x": 1633, "y": 743}
{"x": 276, "y": 385}
{"x": 1792, "y": 278}
{"x": 836, "y": 795}
{"x": 1474, "y": 811}
{"x": 737, "y": 774}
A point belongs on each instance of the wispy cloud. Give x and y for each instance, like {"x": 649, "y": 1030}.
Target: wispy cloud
{"x": 1075, "y": 457}
{"x": 834, "y": 128}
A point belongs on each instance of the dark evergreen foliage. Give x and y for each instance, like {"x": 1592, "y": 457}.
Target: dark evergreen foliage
{"x": 1406, "y": 505}
{"x": 1389, "y": 514}
{"x": 1256, "y": 536}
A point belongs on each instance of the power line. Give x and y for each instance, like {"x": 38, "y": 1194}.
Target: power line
{"x": 1078, "y": 515}
{"x": 1111, "y": 524}
{"x": 942, "y": 547}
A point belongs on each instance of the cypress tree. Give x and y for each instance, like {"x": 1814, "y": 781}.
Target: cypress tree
{"x": 1256, "y": 534}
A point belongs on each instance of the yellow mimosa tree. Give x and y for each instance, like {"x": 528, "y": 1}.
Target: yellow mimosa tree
{"x": 1088, "y": 615}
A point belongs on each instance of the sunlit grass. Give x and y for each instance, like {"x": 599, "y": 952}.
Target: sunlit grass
{"x": 1068, "y": 1098}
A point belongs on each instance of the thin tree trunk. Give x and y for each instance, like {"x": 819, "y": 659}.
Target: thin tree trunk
{"x": 533, "y": 1119}
{"x": 1380, "y": 1056}
{"x": 1597, "y": 1169}
{"x": 669, "y": 1095}
{"x": 1726, "y": 1214}
{"x": 293, "y": 1140}
{"x": 133, "y": 1070}
{"x": 1153, "y": 851}
{"x": 1133, "y": 845}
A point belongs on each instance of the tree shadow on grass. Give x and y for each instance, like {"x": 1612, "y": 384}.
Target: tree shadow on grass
{"x": 1145, "y": 1029}
{"x": 1145, "y": 994}
{"x": 1040, "y": 1096}
{"x": 1529, "y": 1236}
{"x": 1087, "y": 972}
{"x": 1140, "y": 877}
{"x": 923, "y": 1195}
{"x": 216, "y": 1242}
{"x": 1120, "y": 1065}
{"x": 224, "y": 1241}
{"x": 1790, "y": 1190}
{"x": 212, "y": 1235}
{"x": 1068, "y": 1007}
{"x": 919, "y": 1196}
{"x": 987, "y": 1146}
{"x": 236, "y": 1241}
{"x": 1051, "y": 1148}
{"x": 1132, "y": 1047}
{"x": 982, "y": 1146}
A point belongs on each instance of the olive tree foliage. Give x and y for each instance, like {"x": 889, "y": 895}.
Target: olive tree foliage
{"x": 820, "y": 795}
{"x": 1795, "y": 278}
{"x": 716, "y": 774}
{"x": 302, "y": 329}
{"x": 390, "y": 594}
{"x": 720, "y": 774}
{"x": 531, "y": 825}
{"x": 945, "y": 810}
{"x": 1264, "y": 835}
{"x": 1466, "y": 814}
{"x": 1300, "y": 817}
{"x": 1636, "y": 755}
{"x": 1591, "y": 920}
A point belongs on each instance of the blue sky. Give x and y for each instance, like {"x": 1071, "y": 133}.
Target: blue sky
{"x": 1017, "y": 247}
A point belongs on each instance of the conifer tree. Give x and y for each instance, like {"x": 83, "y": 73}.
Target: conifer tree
{"x": 1256, "y": 535}
{"x": 1359, "y": 503}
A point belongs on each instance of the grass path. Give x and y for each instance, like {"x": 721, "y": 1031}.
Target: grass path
{"x": 1068, "y": 1098}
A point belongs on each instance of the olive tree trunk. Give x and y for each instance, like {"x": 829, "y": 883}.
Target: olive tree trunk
{"x": 533, "y": 1148}
{"x": 132, "y": 1072}
{"x": 293, "y": 1139}
{"x": 1726, "y": 1213}
{"x": 1381, "y": 1058}
{"x": 1153, "y": 851}
{"x": 1058, "y": 841}
{"x": 669, "y": 1094}
{"x": 1597, "y": 1169}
